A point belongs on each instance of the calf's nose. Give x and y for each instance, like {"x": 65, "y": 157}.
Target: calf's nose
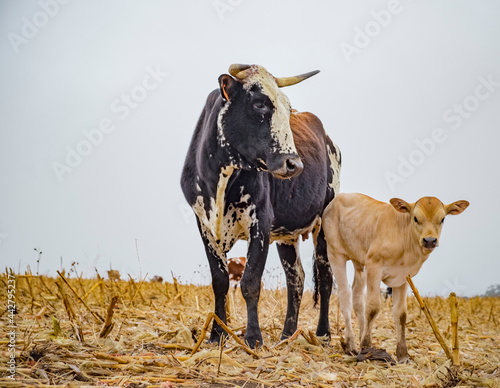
{"x": 430, "y": 242}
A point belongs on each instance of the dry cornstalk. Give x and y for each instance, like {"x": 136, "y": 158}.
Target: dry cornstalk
{"x": 177, "y": 290}
{"x": 94, "y": 314}
{"x": 454, "y": 329}
{"x": 67, "y": 305}
{"x": 211, "y": 317}
{"x": 108, "y": 324}
{"x": 92, "y": 289}
{"x": 30, "y": 288}
{"x": 101, "y": 287}
{"x": 45, "y": 285}
{"x": 228, "y": 309}
{"x": 428, "y": 315}
{"x": 137, "y": 290}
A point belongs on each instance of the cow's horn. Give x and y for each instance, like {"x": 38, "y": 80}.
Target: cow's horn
{"x": 288, "y": 81}
{"x": 238, "y": 70}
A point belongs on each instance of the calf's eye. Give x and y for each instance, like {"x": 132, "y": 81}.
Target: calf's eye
{"x": 415, "y": 218}
{"x": 442, "y": 220}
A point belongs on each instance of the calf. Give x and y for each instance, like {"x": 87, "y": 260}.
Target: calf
{"x": 386, "y": 242}
{"x": 235, "y": 267}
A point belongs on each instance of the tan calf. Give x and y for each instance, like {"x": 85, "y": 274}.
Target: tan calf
{"x": 385, "y": 242}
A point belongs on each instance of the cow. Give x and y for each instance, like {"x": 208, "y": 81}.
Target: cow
{"x": 258, "y": 171}
{"x": 386, "y": 242}
{"x": 235, "y": 268}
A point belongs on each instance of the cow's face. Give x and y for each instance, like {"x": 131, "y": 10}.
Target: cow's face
{"x": 255, "y": 121}
{"x": 426, "y": 218}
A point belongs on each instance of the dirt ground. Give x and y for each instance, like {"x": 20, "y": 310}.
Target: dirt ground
{"x": 58, "y": 332}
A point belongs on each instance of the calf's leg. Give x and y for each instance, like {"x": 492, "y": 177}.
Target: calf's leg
{"x": 373, "y": 279}
{"x": 338, "y": 263}
{"x": 399, "y": 311}
{"x": 290, "y": 260}
{"x": 358, "y": 296}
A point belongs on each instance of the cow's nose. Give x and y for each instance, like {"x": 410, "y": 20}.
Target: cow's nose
{"x": 430, "y": 242}
{"x": 294, "y": 166}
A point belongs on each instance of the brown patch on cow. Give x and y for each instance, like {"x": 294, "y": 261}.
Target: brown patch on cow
{"x": 308, "y": 134}
{"x": 235, "y": 268}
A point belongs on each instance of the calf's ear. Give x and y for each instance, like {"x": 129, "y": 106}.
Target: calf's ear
{"x": 456, "y": 207}
{"x": 229, "y": 87}
{"x": 400, "y": 205}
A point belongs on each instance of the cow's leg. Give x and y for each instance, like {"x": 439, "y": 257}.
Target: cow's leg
{"x": 324, "y": 279}
{"x": 258, "y": 246}
{"x": 338, "y": 263}
{"x": 399, "y": 311}
{"x": 220, "y": 285}
{"x": 290, "y": 260}
{"x": 373, "y": 279}
{"x": 358, "y": 296}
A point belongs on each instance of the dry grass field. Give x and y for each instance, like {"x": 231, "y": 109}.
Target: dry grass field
{"x": 64, "y": 336}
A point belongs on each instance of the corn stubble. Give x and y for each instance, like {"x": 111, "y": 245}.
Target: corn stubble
{"x": 73, "y": 332}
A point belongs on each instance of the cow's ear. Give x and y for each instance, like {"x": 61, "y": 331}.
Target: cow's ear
{"x": 400, "y": 205}
{"x": 456, "y": 207}
{"x": 229, "y": 87}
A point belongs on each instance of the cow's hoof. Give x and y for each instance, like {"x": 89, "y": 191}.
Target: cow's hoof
{"x": 253, "y": 341}
{"x": 323, "y": 335}
{"x": 216, "y": 337}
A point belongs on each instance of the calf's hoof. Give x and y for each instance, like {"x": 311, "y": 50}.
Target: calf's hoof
{"x": 349, "y": 347}
{"x": 402, "y": 354}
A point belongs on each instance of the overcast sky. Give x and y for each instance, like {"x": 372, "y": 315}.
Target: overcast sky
{"x": 99, "y": 101}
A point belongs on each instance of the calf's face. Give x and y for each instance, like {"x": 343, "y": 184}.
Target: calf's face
{"x": 426, "y": 217}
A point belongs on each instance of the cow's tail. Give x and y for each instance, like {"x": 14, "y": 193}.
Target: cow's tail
{"x": 316, "y": 280}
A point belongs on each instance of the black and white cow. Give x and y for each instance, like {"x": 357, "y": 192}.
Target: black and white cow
{"x": 258, "y": 171}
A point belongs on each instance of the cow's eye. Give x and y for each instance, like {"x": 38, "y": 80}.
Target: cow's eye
{"x": 442, "y": 220}
{"x": 415, "y": 218}
{"x": 260, "y": 107}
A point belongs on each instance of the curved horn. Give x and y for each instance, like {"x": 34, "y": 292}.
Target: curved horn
{"x": 238, "y": 70}
{"x": 288, "y": 81}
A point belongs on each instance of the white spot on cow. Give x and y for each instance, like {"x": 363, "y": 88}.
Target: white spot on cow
{"x": 245, "y": 198}
{"x": 335, "y": 167}
{"x": 223, "y": 230}
{"x": 280, "y": 122}
{"x": 220, "y": 129}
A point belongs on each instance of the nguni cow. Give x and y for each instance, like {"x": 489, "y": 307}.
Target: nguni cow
{"x": 386, "y": 242}
{"x": 258, "y": 171}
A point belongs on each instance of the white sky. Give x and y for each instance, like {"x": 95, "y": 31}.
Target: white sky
{"x": 69, "y": 73}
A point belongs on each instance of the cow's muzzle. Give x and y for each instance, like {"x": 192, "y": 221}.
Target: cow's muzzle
{"x": 429, "y": 242}
{"x": 289, "y": 167}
